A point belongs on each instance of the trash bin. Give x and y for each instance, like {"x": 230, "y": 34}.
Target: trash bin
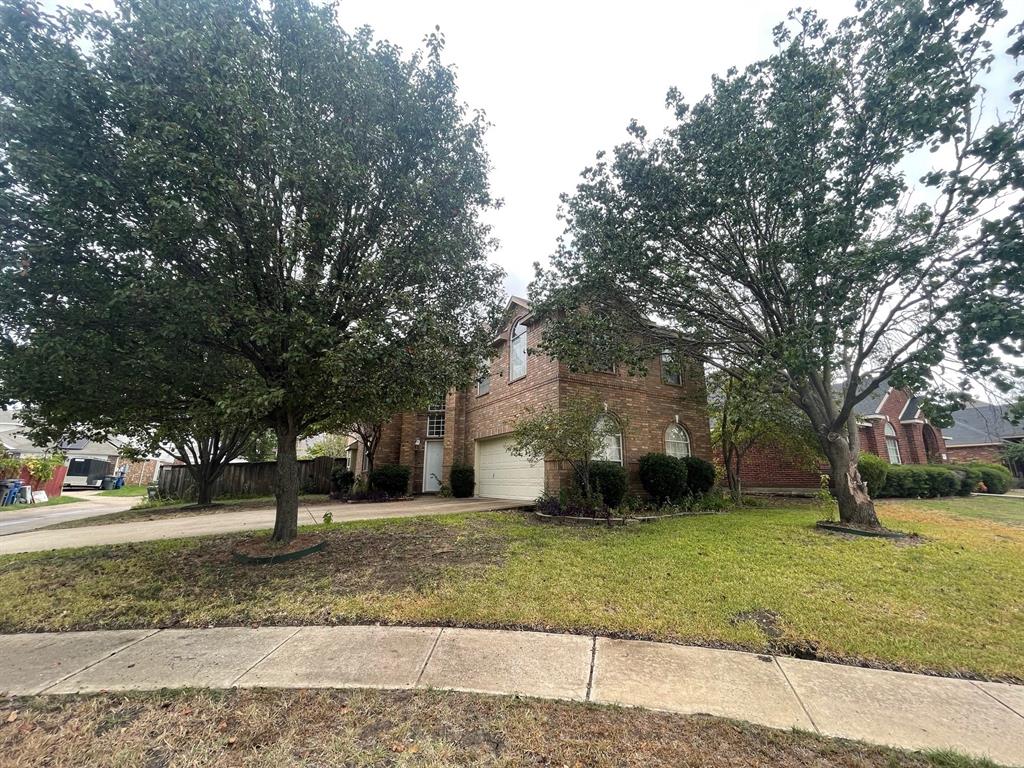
{"x": 109, "y": 483}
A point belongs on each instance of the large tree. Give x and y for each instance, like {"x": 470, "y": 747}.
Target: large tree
{"x": 309, "y": 199}
{"x": 774, "y": 221}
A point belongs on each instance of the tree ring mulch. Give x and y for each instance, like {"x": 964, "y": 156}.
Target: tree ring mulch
{"x": 263, "y": 551}
{"x": 857, "y": 530}
{"x": 616, "y": 519}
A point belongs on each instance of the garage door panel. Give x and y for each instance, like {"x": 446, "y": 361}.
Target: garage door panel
{"x": 501, "y": 475}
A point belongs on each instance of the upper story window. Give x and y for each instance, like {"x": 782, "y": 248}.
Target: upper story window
{"x": 892, "y": 445}
{"x": 612, "y": 448}
{"x": 517, "y": 352}
{"x": 483, "y": 384}
{"x": 671, "y": 373}
{"x": 677, "y": 441}
{"x": 435, "y": 420}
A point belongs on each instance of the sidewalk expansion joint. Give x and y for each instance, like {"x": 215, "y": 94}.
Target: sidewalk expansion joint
{"x": 792, "y": 687}
{"x": 116, "y": 651}
{"x": 593, "y": 658}
{"x": 996, "y": 698}
{"x": 430, "y": 655}
{"x": 265, "y": 656}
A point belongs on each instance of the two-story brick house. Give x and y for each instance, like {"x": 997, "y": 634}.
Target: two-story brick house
{"x": 890, "y": 425}
{"x": 664, "y": 411}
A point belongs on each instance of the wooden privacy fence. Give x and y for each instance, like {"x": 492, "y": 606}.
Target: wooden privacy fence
{"x": 250, "y": 479}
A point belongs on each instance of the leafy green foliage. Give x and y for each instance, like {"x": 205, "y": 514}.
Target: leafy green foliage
{"x": 996, "y": 478}
{"x": 462, "y": 480}
{"x": 911, "y": 481}
{"x": 10, "y": 466}
{"x": 663, "y": 477}
{"x": 261, "y": 446}
{"x": 608, "y": 478}
{"x": 342, "y": 480}
{"x": 575, "y": 433}
{"x": 42, "y": 468}
{"x": 773, "y": 221}
{"x": 700, "y": 476}
{"x": 297, "y": 200}
{"x": 390, "y": 479}
{"x": 873, "y": 471}
{"x": 334, "y": 446}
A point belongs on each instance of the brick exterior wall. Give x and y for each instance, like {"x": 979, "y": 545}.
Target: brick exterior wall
{"x": 919, "y": 443}
{"x": 645, "y": 404}
{"x": 139, "y": 472}
{"x": 961, "y": 454}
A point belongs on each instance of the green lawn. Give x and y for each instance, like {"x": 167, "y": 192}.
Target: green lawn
{"x": 1005, "y": 509}
{"x": 761, "y": 579}
{"x": 125, "y": 490}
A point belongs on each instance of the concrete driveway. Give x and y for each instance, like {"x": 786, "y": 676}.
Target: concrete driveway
{"x": 237, "y": 520}
{"x": 27, "y": 517}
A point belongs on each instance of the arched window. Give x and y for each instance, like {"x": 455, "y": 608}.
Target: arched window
{"x": 517, "y": 352}
{"x": 677, "y": 441}
{"x": 612, "y": 448}
{"x": 892, "y": 445}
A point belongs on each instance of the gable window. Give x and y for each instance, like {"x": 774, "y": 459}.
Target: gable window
{"x": 483, "y": 384}
{"x": 670, "y": 370}
{"x": 677, "y": 442}
{"x": 517, "y": 352}
{"x": 612, "y": 448}
{"x": 435, "y": 420}
{"x": 892, "y": 445}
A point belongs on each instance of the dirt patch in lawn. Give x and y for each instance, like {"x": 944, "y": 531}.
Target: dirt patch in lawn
{"x": 202, "y": 584}
{"x": 767, "y": 621}
{"x": 382, "y": 728}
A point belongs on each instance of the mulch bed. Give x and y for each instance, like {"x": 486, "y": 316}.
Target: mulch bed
{"x": 852, "y": 529}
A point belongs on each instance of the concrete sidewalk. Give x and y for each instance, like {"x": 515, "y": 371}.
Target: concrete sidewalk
{"x": 237, "y": 521}
{"x": 890, "y": 708}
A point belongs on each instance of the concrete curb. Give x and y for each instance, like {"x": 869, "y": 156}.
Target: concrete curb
{"x": 890, "y": 708}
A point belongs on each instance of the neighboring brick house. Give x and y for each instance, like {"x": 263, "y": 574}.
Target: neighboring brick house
{"x": 980, "y": 432}
{"x": 662, "y": 412}
{"x": 890, "y": 425}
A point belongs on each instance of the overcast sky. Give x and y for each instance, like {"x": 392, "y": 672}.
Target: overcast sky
{"x": 561, "y": 79}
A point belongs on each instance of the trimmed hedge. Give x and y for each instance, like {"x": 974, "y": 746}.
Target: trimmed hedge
{"x": 911, "y": 481}
{"x": 873, "y": 471}
{"x": 608, "y": 478}
{"x": 700, "y": 475}
{"x": 462, "y": 480}
{"x": 663, "y": 477}
{"x": 996, "y": 477}
{"x": 390, "y": 479}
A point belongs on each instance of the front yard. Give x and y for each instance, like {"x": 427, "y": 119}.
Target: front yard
{"x": 375, "y": 728}
{"x": 760, "y": 579}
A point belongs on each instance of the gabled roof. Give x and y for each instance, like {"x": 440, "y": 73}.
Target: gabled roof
{"x": 912, "y": 409}
{"x": 981, "y": 423}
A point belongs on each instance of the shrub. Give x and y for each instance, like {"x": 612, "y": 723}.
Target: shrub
{"x": 462, "y": 480}
{"x": 873, "y": 471}
{"x": 996, "y": 477}
{"x": 342, "y": 481}
{"x": 700, "y": 475}
{"x": 390, "y": 479}
{"x": 911, "y": 481}
{"x": 969, "y": 478}
{"x": 575, "y": 503}
{"x": 663, "y": 477}
{"x": 609, "y": 480}
{"x": 549, "y": 504}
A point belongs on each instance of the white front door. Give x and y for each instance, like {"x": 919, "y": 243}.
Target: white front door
{"x": 433, "y": 458}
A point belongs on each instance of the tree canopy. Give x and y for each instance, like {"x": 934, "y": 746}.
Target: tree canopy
{"x": 303, "y": 200}
{"x": 774, "y": 221}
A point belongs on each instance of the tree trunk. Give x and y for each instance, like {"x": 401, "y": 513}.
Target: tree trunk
{"x": 204, "y": 488}
{"x": 286, "y": 483}
{"x": 855, "y": 505}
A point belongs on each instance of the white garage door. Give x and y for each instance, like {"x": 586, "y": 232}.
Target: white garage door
{"x": 500, "y": 475}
